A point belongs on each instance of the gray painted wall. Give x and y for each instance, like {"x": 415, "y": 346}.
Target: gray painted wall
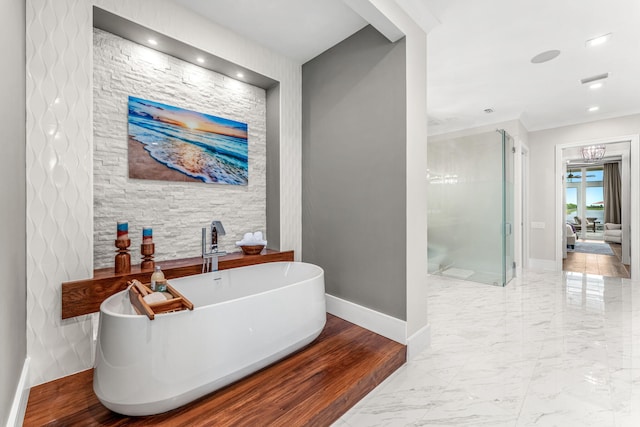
{"x": 273, "y": 167}
{"x": 13, "y": 318}
{"x": 354, "y": 169}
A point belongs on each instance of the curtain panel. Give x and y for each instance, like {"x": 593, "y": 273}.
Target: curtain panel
{"x": 612, "y": 187}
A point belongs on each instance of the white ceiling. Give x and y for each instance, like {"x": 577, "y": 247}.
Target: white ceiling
{"x": 298, "y": 29}
{"x": 479, "y": 55}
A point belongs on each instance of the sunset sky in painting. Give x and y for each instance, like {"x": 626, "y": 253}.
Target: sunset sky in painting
{"x": 189, "y": 119}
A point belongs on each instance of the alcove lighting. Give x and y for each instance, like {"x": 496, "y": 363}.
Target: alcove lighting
{"x": 239, "y": 75}
{"x": 200, "y": 59}
{"x": 152, "y": 42}
{"x": 593, "y": 153}
{"x": 593, "y": 109}
{"x": 594, "y": 86}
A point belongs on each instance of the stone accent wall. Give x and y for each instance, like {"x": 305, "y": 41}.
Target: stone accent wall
{"x": 176, "y": 211}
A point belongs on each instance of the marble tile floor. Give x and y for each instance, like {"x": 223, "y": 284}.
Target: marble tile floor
{"x": 550, "y": 349}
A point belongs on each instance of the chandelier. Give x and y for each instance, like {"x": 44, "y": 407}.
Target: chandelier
{"x": 593, "y": 153}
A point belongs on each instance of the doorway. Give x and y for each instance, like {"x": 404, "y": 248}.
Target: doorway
{"x": 584, "y": 190}
{"x": 579, "y": 205}
{"x": 587, "y": 250}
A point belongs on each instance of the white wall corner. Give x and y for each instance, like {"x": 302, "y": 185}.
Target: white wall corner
{"x": 19, "y": 406}
{"x": 370, "y": 13}
{"x": 418, "y": 342}
{"x": 380, "y": 323}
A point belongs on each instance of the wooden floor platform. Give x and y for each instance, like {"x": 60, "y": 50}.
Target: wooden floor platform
{"x": 313, "y": 387}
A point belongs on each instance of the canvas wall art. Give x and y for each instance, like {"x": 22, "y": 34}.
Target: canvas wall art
{"x": 173, "y": 144}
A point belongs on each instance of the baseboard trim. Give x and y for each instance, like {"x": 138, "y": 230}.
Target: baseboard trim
{"x": 542, "y": 264}
{"x": 19, "y": 406}
{"x": 419, "y": 341}
{"x": 380, "y": 323}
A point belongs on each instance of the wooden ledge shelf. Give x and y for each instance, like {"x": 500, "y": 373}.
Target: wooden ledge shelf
{"x": 85, "y": 296}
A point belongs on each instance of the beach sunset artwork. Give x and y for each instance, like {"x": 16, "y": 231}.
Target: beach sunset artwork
{"x": 173, "y": 144}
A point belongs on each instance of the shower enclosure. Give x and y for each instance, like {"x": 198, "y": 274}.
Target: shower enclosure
{"x": 470, "y": 200}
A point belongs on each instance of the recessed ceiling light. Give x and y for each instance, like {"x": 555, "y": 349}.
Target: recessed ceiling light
{"x": 545, "y": 56}
{"x": 152, "y": 42}
{"x": 239, "y": 75}
{"x": 200, "y": 59}
{"x": 593, "y": 109}
{"x": 596, "y": 85}
{"x": 596, "y": 41}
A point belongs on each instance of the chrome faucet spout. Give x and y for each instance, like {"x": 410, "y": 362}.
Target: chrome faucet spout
{"x": 216, "y": 230}
{"x": 210, "y": 253}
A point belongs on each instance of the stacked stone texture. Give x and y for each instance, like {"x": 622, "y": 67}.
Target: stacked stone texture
{"x": 176, "y": 211}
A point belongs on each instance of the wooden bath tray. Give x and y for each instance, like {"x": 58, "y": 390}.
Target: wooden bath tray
{"x": 137, "y": 291}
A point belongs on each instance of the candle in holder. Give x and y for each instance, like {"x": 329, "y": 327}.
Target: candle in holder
{"x": 123, "y": 230}
{"x": 123, "y": 258}
{"x": 147, "y": 248}
{"x": 147, "y": 235}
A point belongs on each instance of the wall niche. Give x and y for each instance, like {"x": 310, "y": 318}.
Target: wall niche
{"x": 175, "y": 210}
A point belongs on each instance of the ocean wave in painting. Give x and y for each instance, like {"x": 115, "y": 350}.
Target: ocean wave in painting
{"x": 208, "y": 148}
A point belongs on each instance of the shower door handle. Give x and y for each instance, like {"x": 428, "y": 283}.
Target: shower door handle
{"x": 507, "y": 229}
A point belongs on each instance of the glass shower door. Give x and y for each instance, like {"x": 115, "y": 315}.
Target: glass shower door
{"x": 470, "y": 216}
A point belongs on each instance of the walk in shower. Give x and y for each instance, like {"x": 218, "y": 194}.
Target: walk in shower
{"x": 470, "y": 201}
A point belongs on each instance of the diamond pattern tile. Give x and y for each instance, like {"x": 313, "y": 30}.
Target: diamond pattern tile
{"x": 59, "y": 203}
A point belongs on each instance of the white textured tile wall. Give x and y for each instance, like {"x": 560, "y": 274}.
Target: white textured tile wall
{"x": 59, "y": 155}
{"x": 59, "y": 181}
{"x": 176, "y": 211}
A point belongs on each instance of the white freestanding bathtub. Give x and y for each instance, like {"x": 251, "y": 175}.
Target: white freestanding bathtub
{"x": 244, "y": 319}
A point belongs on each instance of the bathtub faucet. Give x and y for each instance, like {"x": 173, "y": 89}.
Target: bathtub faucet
{"x": 210, "y": 252}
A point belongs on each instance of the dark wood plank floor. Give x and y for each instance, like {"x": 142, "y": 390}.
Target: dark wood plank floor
{"x": 313, "y": 387}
